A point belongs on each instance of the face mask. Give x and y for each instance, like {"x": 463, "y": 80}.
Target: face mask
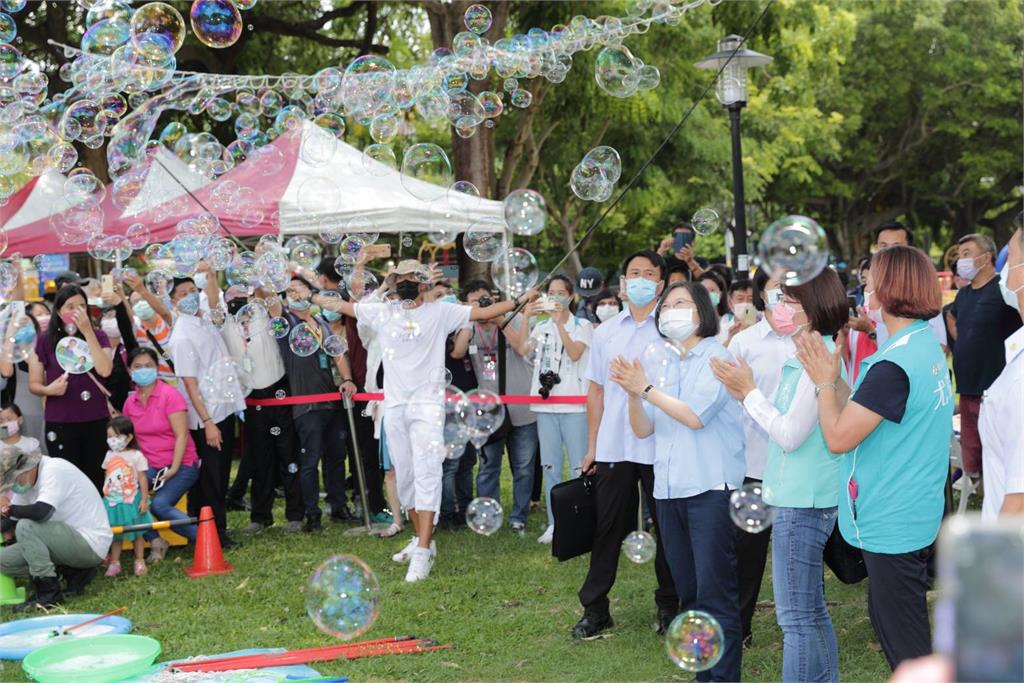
{"x": 874, "y": 314}
{"x": 200, "y": 280}
{"x": 299, "y": 304}
{"x": 142, "y": 310}
{"x": 677, "y": 324}
{"x": 189, "y": 304}
{"x": 330, "y": 316}
{"x": 782, "y": 316}
{"x": 606, "y": 312}
{"x": 117, "y": 443}
{"x": 9, "y": 429}
{"x": 96, "y": 301}
{"x": 716, "y": 298}
{"x": 449, "y": 299}
{"x": 1009, "y": 295}
{"x": 44, "y": 323}
{"x": 966, "y": 269}
{"x": 561, "y": 300}
{"x": 25, "y": 334}
{"x": 109, "y": 327}
{"x": 408, "y": 290}
{"x": 68, "y": 319}
{"x": 143, "y": 377}
{"x": 772, "y": 298}
{"x": 21, "y": 488}
{"x": 640, "y": 291}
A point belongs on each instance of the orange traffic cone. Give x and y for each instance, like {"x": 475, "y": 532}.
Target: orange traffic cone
{"x": 209, "y": 560}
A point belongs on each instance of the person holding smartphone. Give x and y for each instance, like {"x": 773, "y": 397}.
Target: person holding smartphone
{"x": 678, "y": 249}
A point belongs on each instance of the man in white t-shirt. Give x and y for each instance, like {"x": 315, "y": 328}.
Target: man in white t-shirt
{"x": 413, "y": 336}
{"x": 57, "y": 518}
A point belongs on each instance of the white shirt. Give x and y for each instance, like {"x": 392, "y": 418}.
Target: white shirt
{"x": 74, "y": 499}
{"x": 765, "y": 352}
{"x": 551, "y": 355}
{"x": 264, "y": 367}
{"x": 619, "y": 336}
{"x": 1002, "y": 436}
{"x": 195, "y": 345}
{"x": 791, "y": 429}
{"x": 937, "y": 325}
{"x": 411, "y": 357}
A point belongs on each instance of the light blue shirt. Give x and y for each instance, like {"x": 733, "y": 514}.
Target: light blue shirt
{"x": 688, "y": 462}
{"x": 620, "y": 336}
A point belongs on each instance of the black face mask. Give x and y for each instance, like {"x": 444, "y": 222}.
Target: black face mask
{"x": 407, "y": 290}
{"x": 235, "y": 305}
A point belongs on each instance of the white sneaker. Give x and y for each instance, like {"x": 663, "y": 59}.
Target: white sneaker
{"x": 405, "y": 554}
{"x": 547, "y": 536}
{"x": 420, "y": 564}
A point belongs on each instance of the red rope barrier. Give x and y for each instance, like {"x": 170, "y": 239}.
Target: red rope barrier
{"x": 323, "y": 398}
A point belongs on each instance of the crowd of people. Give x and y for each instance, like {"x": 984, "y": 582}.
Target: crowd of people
{"x": 838, "y": 398}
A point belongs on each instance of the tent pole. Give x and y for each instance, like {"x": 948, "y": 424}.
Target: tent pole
{"x": 196, "y": 199}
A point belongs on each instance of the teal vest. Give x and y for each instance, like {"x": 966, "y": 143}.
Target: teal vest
{"x": 900, "y": 469}
{"x": 807, "y": 477}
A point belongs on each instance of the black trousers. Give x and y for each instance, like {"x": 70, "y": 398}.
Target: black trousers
{"x": 369, "y": 450}
{"x": 214, "y": 473}
{"x": 897, "y": 603}
{"x": 617, "y": 499}
{"x": 270, "y": 454}
{"x": 751, "y": 555}
{"x": 83, "y": 444}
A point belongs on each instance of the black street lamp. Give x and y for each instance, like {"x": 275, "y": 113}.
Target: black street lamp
{"x": 731, "y": 90}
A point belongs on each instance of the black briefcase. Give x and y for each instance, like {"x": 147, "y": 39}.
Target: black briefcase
{"x": 572, "y": 504}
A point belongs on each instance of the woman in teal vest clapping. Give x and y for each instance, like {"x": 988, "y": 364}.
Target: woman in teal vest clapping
{"x": 895, "y": 433}
{"x": 801, "y": 478}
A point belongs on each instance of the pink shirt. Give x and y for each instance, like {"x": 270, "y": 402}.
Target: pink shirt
{"x": 153, "y": 428}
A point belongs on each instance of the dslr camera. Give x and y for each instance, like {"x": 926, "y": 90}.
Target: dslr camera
{"x": 485, "y": 301}
{"x": 548, "y": 379}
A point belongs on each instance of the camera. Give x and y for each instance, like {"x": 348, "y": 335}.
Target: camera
{"x": 485, "y": 301}
{"x": 548, "y": 379}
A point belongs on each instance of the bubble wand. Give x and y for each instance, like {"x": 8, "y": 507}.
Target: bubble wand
{"x": 636, "y": 176}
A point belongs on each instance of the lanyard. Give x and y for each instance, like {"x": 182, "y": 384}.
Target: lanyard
{"x": 492, "y": 346}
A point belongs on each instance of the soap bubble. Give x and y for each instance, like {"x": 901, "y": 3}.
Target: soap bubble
{"x": 477, "y": 19}
{"x": 485, "y": 240}
{"x": 10, "y": 61}
{"x": 361, "y": 283}
{"x": 159, "y": 283}
{"x": 794, "y": 249}
{"x": 275, "y": 431}
{"x": 428, "y": 163}
{"x": 595, "y": 176}
{"x": 8, "y": 28}
{"x": 660, "y": 361}
{"x": 21, "y": 335}
{"x": 74, "y": 356}
{"x": 329, "y": 231}
{"x": 615, "y": 70}
{"x": 525, "y": 212}
{"x": 349, "y": 252}
{"x": 342, "y": 597}
{"x": 253, "y": 318}
{"x": 482, "y": 414}
{"x": 138, "y": 235}
{"x": 280, "y": 394}
{"x": 694, "y": 641}
{"x": 639, "y": 547}
{"x": 484, "y": 516}
{"x": 335, "y": 346}
{"x": 748, "y": 509}
{"x": 379, "y": 159}
{"x": 216, "y": 23}
{"x": 304, "y": 339}
{"x": 514, "y": 272}
{"x": 304, "y": 251}
{"x": 364, "y": 228}
{"x": 85, "y": 396}
{"x": 705, "y": 221}
{"x": 160, "y": 20}
{"x": 222, "y": 384}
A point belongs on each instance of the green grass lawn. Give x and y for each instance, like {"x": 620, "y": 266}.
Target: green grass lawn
{"x": 503, "y": 601}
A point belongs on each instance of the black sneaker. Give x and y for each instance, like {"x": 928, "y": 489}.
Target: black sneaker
{"x": 238, "y": 504}
{"x": 227, "y": 543}
{"x": 665, "y": 617}
{"x": 591, "y": 625}
{"x": 76, "y": 579}
{"x": 312, "y": 525}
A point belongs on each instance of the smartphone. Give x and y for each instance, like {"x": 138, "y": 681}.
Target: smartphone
{"x": 979, "y": 618}
{"x": 377, "y": 251}
{"x": 107, "y": 284}
{"x": 682, "y": 238}
{"x": 851, "y": 301}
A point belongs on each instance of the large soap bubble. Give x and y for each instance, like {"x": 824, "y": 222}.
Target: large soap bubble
{"x": 514, "y": 272}
{"x": 794, "y": 249}
{"x": 616, "y": 71}
{"x": 705, "y": 221}
{"x": 485, "y": 240}
{"x": 639, "y": 547}
{"x": 482, "y": 414}
{"x": 525, "y": 212}
{"x": 342, "y": 597}
{"x": 477, "y": 19}
{"x": 428, "y": 163}
{"x": 484, "y": 516}
{"x": 748, "y": 509}
{"x": 694, "y": 641}
{"x": 161, "y": 20}
{"x": 216, "y": 23}
{"x": 304, "y": 339}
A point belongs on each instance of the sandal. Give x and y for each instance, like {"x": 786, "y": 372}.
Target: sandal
{"x": 140, "y": 568}
{"x": 393, "y": 530}
{"x": 113, "y": 569}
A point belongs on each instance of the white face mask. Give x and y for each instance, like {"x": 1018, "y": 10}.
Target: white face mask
{"x": 606, "y": 312}
{"x": 874, "y": 314}
{"x": 109, "y": 327}
{"x": 677, "y": 324}
{"x": 117, "y": 443}
{"x": 967, "y": 268}
{"x": 1009, "y": 295}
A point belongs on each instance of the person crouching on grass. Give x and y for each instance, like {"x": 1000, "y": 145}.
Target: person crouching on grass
{"x": 414, "y": 347}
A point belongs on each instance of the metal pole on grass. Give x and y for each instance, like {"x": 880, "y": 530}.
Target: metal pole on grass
{"x": 370, "y": 527}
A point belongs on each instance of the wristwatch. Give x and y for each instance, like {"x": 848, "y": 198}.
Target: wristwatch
{"x": 647, "y": 391}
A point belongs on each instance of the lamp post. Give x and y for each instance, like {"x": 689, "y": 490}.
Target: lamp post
{"x": 731, "y": 90}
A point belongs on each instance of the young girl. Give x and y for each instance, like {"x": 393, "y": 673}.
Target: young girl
{"x": 126, "y": 491}
{"x": 11, "y": 423}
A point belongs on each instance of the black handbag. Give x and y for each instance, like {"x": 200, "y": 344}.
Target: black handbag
{"x": 845, "y": 560}
{"x": 575, "y": 513}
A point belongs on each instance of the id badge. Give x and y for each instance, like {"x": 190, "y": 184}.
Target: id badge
{"x": 472, "y": 349}
{"x": 323, "y": 360}
{"x": 247, "y": 364}
{"x": 490, "y": 368}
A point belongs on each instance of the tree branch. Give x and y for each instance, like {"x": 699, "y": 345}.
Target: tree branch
{"x": 287, "y": 28}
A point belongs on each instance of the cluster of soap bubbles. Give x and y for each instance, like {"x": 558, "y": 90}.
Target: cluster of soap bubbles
{"x": 694, "y": 641}
{"x": 748, "y": 509}
{"x": 469, "y": 417}
{"x": 223, "y": 384}
{"x": 794, "y": 249}
{"x": 342, "y": 597}
{"x": 621, "y": 74}
{"x": 594, "y": 178}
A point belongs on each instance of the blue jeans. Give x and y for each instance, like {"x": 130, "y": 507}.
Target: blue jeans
{"x": 163, "y": 501}
{"x": 457, "y": 482}
{"x": 700, "y": 546}
{"x": 322, "y": 434}
{"x": 809, "y": 649}
{"x": 522, "y": 449}
{"x": 555, "y": 430}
